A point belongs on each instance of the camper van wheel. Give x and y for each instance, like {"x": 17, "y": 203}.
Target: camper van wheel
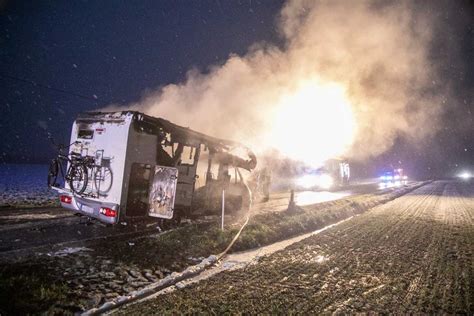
{"x": 53, "y": 173}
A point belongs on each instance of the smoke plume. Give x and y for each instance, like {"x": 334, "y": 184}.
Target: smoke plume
{"x": 378, "y": 52}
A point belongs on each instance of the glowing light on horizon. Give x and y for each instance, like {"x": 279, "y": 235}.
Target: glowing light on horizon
{"x": 307, "y": 181}
{"x": 465, "y": 175}
{"x": 322, "y": 181}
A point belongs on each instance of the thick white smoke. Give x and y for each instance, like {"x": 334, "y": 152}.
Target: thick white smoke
{"x": 377, "y": 53}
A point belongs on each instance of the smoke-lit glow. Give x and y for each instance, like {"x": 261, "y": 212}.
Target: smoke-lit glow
{"x": 325, "y": 181}
{"x": 307, "y": 181}
{"x": 313, "y": 124}
{"x": 322, "y": 181}
{"x": 342, "y": 62}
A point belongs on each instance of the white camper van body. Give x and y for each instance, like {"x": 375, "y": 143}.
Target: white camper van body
{"x": 116, "y": 147}
{"x": 109, "y": 138}
{"x": 143, "y": 166}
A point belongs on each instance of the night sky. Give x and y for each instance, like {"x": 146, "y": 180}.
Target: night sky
{"x": 59, "y": 58}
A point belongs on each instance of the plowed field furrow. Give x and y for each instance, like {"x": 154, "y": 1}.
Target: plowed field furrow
{"x": 411, "y": 255}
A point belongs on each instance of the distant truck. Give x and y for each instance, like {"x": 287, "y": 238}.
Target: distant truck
{"x": 339, "y": 170}
{"x": 141, "y": 166}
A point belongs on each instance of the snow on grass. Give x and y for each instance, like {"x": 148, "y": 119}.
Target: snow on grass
{"x": 23, "y": 185}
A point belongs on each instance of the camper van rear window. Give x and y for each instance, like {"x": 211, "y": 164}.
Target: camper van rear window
{"x": 85, "y": 134}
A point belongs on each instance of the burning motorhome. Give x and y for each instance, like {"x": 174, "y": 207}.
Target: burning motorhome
{"x": 136, "y": 166}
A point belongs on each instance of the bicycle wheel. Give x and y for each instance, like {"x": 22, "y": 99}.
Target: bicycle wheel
{"x": 103, "y": 179}
{"x": 53, "y": 173}
{"x": 78, "y": 178}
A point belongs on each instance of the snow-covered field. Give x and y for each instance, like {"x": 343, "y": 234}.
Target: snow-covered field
{"x": 23, "y": 185}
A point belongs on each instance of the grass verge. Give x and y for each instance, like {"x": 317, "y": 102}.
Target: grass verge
{"x": 28, "y": 289}
{"x": 178, "y": 248}
{"x": 37, "y": 287}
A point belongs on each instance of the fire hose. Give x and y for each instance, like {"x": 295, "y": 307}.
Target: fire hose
{"x": 174, "y": 277}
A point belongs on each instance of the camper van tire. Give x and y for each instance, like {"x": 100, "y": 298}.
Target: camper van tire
{"x": 78, "y": 178}
{"x": 53, "y": 173}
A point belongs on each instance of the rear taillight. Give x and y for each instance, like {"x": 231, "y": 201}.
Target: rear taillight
{"x": 108, "y": 212}
{"x": 65, "y": 199}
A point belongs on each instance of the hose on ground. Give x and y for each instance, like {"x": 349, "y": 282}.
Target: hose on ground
{"x": 222, "y": 254}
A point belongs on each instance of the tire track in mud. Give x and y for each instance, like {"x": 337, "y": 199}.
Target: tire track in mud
{"x": 413, "y": 254}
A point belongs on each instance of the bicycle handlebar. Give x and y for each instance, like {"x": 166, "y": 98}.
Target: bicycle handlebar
{"x": 60, "y": 146}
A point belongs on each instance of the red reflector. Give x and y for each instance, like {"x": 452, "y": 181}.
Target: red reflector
{"x": 108, "y": 212}
{"x": 65, "y": 199}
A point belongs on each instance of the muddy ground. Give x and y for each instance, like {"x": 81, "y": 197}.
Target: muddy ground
{"x": 411, "y": 255}
{"x": 63, "y": 264}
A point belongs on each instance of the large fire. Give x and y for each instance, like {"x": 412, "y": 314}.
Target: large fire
{"x": 314, "y": 123}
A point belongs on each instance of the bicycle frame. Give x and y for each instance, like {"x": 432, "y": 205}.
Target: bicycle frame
{"x": 61, "y": 159}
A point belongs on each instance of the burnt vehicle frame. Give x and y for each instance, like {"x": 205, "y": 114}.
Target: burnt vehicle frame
{"x": 130, "y": 147}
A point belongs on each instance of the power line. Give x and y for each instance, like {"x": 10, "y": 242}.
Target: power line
{"x": 36, "y": 84}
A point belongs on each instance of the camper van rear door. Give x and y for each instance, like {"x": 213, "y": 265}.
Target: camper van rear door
{"x": 162, "y": 192}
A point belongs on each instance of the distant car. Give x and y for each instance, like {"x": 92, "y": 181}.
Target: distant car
{"x": 395, "y": 177}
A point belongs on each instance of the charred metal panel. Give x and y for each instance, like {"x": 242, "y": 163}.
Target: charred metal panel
{"x": 187, "y": 177}
{"x": 138, "y": 187}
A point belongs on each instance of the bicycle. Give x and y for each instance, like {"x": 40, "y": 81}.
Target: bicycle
{"x": 77, "y": 172}
{"x": 103, "y": 176}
